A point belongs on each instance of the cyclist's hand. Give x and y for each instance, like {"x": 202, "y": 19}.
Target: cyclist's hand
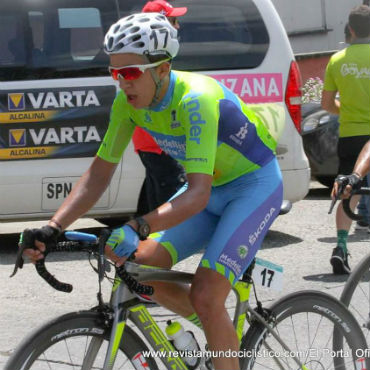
{"x": 344, "y": 184}
{"x": 121, "y": 244}
{"x": 45, "y": 235}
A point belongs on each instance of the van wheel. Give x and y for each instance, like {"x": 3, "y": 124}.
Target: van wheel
{"x": 327, "y": 181}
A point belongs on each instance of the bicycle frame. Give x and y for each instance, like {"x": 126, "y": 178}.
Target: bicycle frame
{"x": 125, "y": 305}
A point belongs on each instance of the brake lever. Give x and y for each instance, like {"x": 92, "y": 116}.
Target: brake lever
{"x": 26, "y": 242}
{"x": 337, "y": 197}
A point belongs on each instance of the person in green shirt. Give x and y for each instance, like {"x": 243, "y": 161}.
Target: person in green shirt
{"x": 348, "y": 73}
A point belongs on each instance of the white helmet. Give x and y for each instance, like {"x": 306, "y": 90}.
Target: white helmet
{"x": 144, "y": 34}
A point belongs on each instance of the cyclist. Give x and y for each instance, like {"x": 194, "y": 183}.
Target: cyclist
{"x": 234, "y": 189}
{"x": 348, "y": 73}
{"x": 163, "y": 174}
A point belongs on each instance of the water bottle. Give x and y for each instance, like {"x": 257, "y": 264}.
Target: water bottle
{"x": 183, "y": 341}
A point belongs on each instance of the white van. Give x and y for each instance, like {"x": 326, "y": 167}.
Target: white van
{"x": 55, "y": 93}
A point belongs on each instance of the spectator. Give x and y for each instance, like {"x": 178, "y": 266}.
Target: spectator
{"x": 363, "y": 205}
{"x": 348, "y": 72}
{"x": 163, "y": 175}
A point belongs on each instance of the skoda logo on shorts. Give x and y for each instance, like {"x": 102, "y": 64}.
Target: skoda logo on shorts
{"x": 242, "y": 251}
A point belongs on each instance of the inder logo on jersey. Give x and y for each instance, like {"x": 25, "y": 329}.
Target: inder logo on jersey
{"x": 17, "y": 137}
{"x": 16, "y": 102}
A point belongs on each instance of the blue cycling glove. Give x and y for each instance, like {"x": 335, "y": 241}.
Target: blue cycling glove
{"x": 123, "y": 241}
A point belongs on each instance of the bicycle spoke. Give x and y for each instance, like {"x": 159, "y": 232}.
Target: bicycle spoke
{"x": 316, "y": 333}
{"x": 309, "y": 336}
{"x": 69, "y": 354}
{"x": 326, "y": 345}
{"x": 79, "y": 352}
{"x": 47, "y": 361}
{"x": 264, "y": 366}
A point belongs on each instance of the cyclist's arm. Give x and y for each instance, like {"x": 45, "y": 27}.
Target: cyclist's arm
{"x": 362, "y": 166}
{"x": 85, "y": 193}
{"x": 83, "y": 196}
{"x": 189, "y": 203}
{"x": 95, "y": 180}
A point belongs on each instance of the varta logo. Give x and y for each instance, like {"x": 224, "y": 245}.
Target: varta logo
{"x": 195, "y": 118}
{"x": 17, "y": 137}
{"x": 63, "y": 99}
{"x": 16, "y": 101}
{"x": 47, "y": 100}
{"x": 65, "y": 135}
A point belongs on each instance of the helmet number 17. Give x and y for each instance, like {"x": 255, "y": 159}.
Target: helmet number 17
{"x": 159, "y": 38}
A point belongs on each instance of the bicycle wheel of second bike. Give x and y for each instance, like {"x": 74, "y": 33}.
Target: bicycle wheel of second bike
{"x": 356, "y": 295}
{"x": 63, "y": 344}
{"x": 305, "y": 321}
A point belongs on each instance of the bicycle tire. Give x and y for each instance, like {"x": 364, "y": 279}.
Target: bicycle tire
{"x": 292, "y": 312}
{"x": 359, "y": 278}
{"x": 47, "y": 346}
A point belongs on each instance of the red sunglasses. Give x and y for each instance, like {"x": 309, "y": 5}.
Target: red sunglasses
{"x": 131, "y": 72}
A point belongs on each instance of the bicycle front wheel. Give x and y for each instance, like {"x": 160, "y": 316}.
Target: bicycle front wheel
{"x": 305, "y": 322}
{"x": 77, "y": 341}
{"x": 356, "y": 295}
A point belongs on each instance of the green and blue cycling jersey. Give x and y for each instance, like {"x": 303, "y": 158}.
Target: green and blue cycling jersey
{"x": 211, "y": 131}
{"x": 200, "y": 123}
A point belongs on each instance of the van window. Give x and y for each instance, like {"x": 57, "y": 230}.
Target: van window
{"x": 12, "y": 41}
{"x": 86, "y": 31}
{"x": 216, "y": 34}
{"x": 60, "y": 38}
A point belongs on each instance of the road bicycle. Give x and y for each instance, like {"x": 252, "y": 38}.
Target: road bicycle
{"x": 357, "y": 287}
{"x": 295, "y": 332}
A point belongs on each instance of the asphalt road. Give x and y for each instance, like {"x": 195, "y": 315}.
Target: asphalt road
{"x": 300, "y": 241}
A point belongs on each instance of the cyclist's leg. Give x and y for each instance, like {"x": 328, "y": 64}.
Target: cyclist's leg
{"x": 164, "y": 249}
{"x": 248, "y": 207}
{"x": 348, "y": 150}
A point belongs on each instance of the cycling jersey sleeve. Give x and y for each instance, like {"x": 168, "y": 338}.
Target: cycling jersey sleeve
{"x": 201, "y": 117}
{"x": 119, "y": 131}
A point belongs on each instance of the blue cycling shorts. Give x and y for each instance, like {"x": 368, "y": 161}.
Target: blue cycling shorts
{"x": 232, "y": 226}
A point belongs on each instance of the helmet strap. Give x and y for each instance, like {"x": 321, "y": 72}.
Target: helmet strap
{"x": 158, "y": 84}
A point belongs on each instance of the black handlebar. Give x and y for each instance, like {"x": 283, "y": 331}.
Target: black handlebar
{"x": 346, "y": 204}
{"x": 28, "y": 241}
